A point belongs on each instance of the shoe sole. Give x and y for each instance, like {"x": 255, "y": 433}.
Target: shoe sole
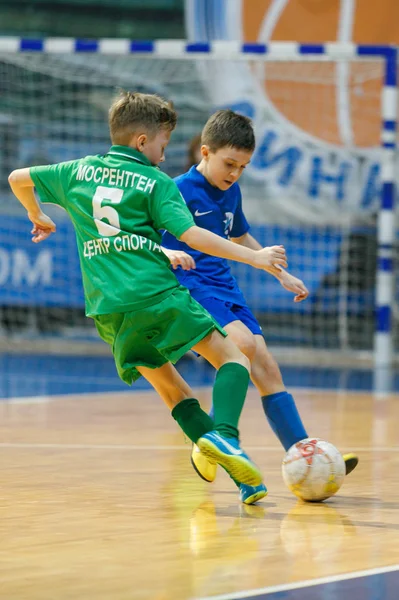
{"x": 199, "y": 473}
{"x": 351, "y": 462}
{"x": 255, "y": 497}
{"x": 238, "y": 467}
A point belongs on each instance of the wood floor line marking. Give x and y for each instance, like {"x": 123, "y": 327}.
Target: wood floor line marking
{"x": 136, "y": 447}
{"x": 197, "y": 389}
{"x": 301, "y": 584}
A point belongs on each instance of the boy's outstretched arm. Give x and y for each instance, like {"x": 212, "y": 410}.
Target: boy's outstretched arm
{"x": 268, "y": 259}
{"x": 22, "y": 186}
{"x": 288, "y": 281}
{"x": 247, "y": 240}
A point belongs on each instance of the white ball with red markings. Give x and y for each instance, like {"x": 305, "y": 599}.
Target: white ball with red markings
{"x": 313, "y": 469}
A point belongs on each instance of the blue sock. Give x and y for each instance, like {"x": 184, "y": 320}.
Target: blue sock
{"x": 284, "y": 418}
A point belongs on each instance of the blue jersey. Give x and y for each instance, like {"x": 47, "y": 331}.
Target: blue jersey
{"x": 217, "y": 211}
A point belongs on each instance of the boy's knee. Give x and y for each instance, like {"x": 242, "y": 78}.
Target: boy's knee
{"x": 243, "y": 360}
{"x": 247, "y": 345}
{"x": 235, "y": 354}
{"x": 246, "y": 362}
{"x": 265, "y": 367}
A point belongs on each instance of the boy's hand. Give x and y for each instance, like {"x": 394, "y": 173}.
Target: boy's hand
{"x": 269, "y": 258}
{"x": 43, "y": 226}
{"x": 179, "y": 258}
{"x": 295, "y": 285}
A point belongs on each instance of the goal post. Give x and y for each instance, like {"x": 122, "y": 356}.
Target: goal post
{"x": 318, "y": 112}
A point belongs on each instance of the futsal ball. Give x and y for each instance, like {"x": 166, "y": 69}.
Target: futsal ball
{"x": 313, "y": 469}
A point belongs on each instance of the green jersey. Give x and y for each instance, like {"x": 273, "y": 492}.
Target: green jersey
{"x": 117, "y": 204}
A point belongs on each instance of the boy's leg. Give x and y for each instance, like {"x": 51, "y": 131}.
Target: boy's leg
{"x": 229, "y": 392}
{"x": 179, "y": 398}
{"x": 249, "y": 494}
{"x": 231, "y": 382}
{"x": 278, "y": 405}
{"x": 197, "y": 425}
{"x": 246, "y": 333}
{"x": 221, "y": 312}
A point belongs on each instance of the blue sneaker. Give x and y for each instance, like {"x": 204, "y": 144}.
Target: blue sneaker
{"x": 250, "y": 494}
{"x": 227, "y": 453}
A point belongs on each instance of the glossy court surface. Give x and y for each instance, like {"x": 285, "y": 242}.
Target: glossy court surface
{"x": 99, "y": 500}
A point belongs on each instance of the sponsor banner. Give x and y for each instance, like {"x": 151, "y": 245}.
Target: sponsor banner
{"x": 45, "y": 274}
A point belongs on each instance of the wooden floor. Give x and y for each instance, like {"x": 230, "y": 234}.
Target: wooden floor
{"x": 98, "y": 501}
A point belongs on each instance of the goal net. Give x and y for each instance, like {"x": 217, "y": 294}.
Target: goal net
{"x": 314, "y": 184}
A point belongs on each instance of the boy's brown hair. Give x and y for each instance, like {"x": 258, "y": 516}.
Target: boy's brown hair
{"x": 228, "y": 128}
{"x": 193, "y": 147}
{"x": 131, "y": 111}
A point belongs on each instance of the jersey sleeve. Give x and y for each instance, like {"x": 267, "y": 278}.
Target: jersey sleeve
{"x": 168, "y": 209}
{"x": 51, "y": 182}
{"x": 240, "y": 224}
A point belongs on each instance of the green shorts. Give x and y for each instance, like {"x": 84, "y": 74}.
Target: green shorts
{"x": 153, "y": 336}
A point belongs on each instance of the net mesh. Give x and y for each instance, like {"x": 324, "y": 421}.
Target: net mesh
{"x": 313, "y": 185}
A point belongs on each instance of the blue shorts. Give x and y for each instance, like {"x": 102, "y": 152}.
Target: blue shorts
{"x": 226, "y": 312}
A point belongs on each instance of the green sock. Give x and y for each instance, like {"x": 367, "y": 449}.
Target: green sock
{"x": 192, "y": 419}
{"x": 229, "y": 392}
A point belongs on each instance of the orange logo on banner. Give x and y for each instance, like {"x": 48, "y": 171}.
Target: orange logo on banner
{"x": 336, "y": 102}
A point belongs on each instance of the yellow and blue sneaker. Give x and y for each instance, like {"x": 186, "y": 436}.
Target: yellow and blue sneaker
{"x": 351, "y": 462}
{"x": 207, "y": 471}
{"x": 202, "y": 466}
{"x": 227, "y": 453}
{"x": 250, "y": 494}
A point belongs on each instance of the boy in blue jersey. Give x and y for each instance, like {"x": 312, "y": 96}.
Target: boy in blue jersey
{"x": 213, "y": 196}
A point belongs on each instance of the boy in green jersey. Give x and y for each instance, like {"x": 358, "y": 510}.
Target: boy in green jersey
{"x": 118, "y": 203}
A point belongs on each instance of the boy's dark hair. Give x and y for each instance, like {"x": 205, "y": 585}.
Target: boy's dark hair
{"x": 131, "y": 111}
{"x": 227, "y": 128}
